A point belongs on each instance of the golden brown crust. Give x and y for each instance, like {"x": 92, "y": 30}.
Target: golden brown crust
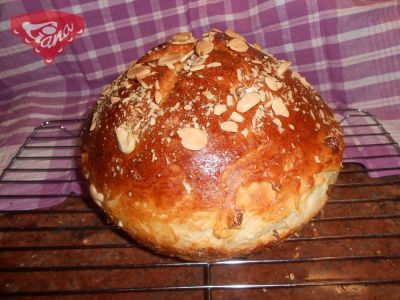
{"x": 185, "y": 150}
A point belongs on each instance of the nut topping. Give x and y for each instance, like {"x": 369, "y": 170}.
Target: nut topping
{"x": 93, "y": 125}
{"x": 204, "y": 47}
{"x": 279, "y": 108}
{"x": 283, "y": 67}
{"x": 229, "y": 32}
{"x": 272, "y": 83}
{"x": 193, "y": 138}
{"x": 158, "y": 97}
{"x": 115, "y": 99}
{"x": 214, "y": 65}
{"x": 97, "y": 196}
{"x": 229, "y": 100}
{"x": 219, "y": 109}
{"x": 183, "y": 38}
{"x": 138, "y": 71}
{"x": 248, "y": 101}
{"x": 229, "y": 126}
{"x": 126, "y": 140}
{"x": 236, "y": 117}
{"x": 238, "y": 45}
{"x": 169, "y": 59}
{"x": 187, "y": 187}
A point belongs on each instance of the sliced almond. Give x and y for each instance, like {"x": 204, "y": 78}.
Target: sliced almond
{"x": 152, "y": 121}
{"x": 157, "y": 85}
{"x": 197, "y": 68}
{"x": 248, "y": 101}
{"x": 238, "y": 45}
{"x": 229, "y": 100}
{"x": 93, "y": 125}
{"x": 283, "y": 67}
{"x": 214, "y": 30}
{"x": 153, "y": 106}
{"x": 245, "y": 132}
{"x": 114, "y": 99}
{"x": 257, "y": 46}
{"x": 187, "y": 187}
{"x": 184, "y": 57}
{"x": 279, "y": 108}
{"x": 272, "y": 83}
{"x": 138, "y": 71}
{"x": 158, "y": 97}
{"x": 208, "y": 95}
{"x": 239, "y": 74}
{"x": 214, "y": 65}
{"x": 182, "y": 37}
{"x": 229, "y": 126}
{"x": 204, "y": 47}
{"x": 97, "y": 196}
{"x": 229, "y": 32}
{"x": 302, "y": 79}
{"x": 236, "y": 117}
{"x": 277, "y": 122}
{"x": 169, "y": 59}
{"x": 126, "y": 140}
{"x": 219, "y": 109}
{"x": 193, "y": 138}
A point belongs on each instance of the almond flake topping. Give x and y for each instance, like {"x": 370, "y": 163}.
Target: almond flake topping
{"x": 204, "y": 47}
{"x": 229, "y": 126}
{"x": 219, "y": 109}
{"x": 229, "y": 32}
{"x": 93, "y": 125}
{"x": 158, "y": 97}
{"x": 196, "y": 68}
{"x": 214, "y": 65}
{"x": 115, "y": 99}
{"x": 316, "y": 159}
{"x": 236, "y": 117}
{"x": 187, "y": 187}
{"x": 239, "y": 74}
{"x": 183, "y": 38}
{"x": 257, "y": 46}
{"x": 248, "y": 101}
{"x": 272, "y": 83}
{"x": 238, "y": 45}
{"x": 279, "y": 108}
{"x": 302, "y": 79}
{"x": 169, "y": 59}
{"x": 138, "y": 71}
{"x": 283, "y": 67}
{"x": 208, "y": 95}
{"x": 229, "y": 100}
{"x": 184, "y": 57}
{"x": 97, "y": 196}
{"x": 193, "y": 138}
{"x": 245, "y": 132}
{"x": 126, "y": 140}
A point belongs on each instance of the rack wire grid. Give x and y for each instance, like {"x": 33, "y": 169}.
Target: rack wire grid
{"x": 70, "y": 250}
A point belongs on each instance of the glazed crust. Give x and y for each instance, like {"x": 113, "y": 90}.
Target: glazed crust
{"x": 212, "y": 149}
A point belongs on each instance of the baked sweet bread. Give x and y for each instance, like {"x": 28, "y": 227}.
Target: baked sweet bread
{"x": 208, "y": 149}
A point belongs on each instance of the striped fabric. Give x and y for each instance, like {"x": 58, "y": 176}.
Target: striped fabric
{"x": 349, "y": 50}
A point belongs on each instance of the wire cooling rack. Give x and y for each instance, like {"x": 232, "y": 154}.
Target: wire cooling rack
{"x": 352, "y": 248}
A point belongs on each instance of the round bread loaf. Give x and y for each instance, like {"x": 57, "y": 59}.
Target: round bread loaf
{"x": 209, "y": 149}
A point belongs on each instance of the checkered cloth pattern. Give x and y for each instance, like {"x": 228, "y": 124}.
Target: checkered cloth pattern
{"x": 349, "y": 50}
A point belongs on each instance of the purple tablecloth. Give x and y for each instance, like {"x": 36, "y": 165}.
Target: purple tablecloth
{"x": 349, "y": 50}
